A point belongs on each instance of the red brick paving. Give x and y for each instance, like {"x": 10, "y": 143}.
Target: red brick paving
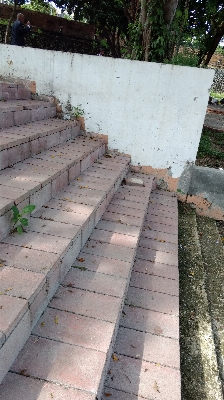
{"x": 149, "y": 380}
{"x": 61, "y": 363}
{"x": 70, "y": 341}
{"x": 22, "y": 388}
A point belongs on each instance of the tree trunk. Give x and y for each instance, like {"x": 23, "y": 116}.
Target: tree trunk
{"x": 7, "y": 32}
{"x": 204, "y": 60}
{"x": 169, "y": 9}
{"x": 146, "y": 30}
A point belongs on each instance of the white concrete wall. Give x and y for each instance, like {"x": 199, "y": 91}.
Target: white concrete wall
{"x": 154, "y": 112}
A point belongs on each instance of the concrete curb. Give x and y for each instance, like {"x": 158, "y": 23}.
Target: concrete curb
{"x": 203, "y": 187}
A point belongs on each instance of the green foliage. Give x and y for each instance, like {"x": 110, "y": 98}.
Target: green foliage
{"x": 153, "y": 30}
{"x": 19, "y": 221}
{"x": 209, "y": 141}
{"x": 220, "y": 50}
{"x": 184, "y": 57}
{"x": 77, "y": 111}
{"x": 4, "y": 21}
{"x": 41, "y": 6}
{"x": 217, "y": 95}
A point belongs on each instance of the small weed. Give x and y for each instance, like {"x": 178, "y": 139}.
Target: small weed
{"x": 18, "y": 219}
{"x": 77, "y": 111}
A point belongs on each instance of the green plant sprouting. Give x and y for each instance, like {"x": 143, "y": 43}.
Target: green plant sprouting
{"x": 77, "y": 111}
{"x": 19, "y": 221}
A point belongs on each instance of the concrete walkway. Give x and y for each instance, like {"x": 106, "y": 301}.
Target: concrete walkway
{"x": 71, "y": 352}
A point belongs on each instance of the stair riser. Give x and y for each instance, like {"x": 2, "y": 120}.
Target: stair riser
{"x": 31, "y": 147}
{"x": 55, "y": 277}
{"x": 16, "y": 118}
{"x": 13, "y": 91}
{"x": 16, "y": 341}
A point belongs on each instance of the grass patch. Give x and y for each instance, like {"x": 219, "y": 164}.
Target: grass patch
{"x": 211, "y": 145}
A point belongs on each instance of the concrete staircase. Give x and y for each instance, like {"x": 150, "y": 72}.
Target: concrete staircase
{"x": 65, "y": 280}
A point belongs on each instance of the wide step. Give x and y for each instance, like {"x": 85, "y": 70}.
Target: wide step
{"x": 19, "y": 112}
{"x": 19, "y": 143}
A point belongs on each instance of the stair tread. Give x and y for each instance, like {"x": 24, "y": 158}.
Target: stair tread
{"x": 18, "y": 105}
{"x": 25, "y": 177}
{"x": 13, "y": 136}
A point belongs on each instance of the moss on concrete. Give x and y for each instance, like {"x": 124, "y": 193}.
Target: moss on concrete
{"x": 199, "y": 372}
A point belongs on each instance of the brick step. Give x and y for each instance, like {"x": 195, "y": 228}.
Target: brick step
{"x": 19, "y": 143}
{"x": 39, "y": 178}
{"x": 35, "y": 263}
{"x": 146, "y": 358}
{"x": 19, "y": 112}
{"x": 14, "y": 91}
{"x": 69, "y": 350}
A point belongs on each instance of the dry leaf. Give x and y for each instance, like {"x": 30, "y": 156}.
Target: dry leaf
{"x": 52, "y": 156}
{"x": 85, "y": 187}
{"x": 115, "y": 358}
{"x": 81, "y": 259}
{"x": 8, "y": 289}
{"x": 148, "y": 227}
{"x": 155, "y": 386}
{"x": 56, "y": 320}
{"x": 2, "y": 262}
{"x": 107, "y": 394}
{"x": 42, "y": 323}
{"x": 79, "y": 179}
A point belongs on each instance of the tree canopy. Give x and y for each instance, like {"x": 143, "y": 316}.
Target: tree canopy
{"x": 150, "y": 30}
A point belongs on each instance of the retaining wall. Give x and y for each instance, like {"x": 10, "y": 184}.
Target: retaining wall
{"x": 155, "y": 112}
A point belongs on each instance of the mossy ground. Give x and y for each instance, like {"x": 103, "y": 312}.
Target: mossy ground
{"x": 199, "y": 372}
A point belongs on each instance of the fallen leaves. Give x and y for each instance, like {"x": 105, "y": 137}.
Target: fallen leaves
{"x": 2, "y": 262}
{"x": 115, "y": 358}
{"x": 156, "y": 387}
{"x": 107, "y": 394}
{"x": 81, "y": 259}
